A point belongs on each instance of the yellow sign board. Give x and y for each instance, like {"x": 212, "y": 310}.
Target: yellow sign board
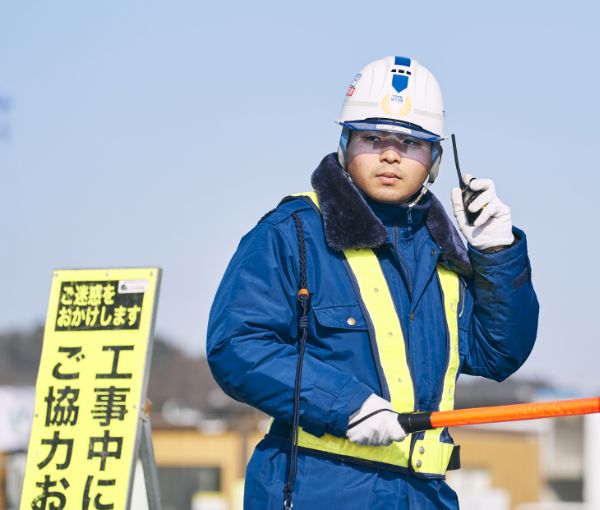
{"x": 91, "y": 389}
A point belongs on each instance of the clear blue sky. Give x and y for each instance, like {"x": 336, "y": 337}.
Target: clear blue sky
{"x": 157, "y": 133}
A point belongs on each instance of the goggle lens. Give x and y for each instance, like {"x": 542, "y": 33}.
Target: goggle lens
{"x": 376, "y": 142}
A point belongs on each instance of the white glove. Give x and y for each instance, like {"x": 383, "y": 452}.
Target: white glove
{"x": 493, "y": 227}
{"x": 380, "y": 429}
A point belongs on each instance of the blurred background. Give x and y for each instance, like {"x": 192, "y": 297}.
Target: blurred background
{"x": 143, "y": 133}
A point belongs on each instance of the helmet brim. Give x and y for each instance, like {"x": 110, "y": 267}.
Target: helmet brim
{"x": 393, "y": 126}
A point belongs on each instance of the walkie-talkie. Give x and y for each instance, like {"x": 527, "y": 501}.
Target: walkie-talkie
{"x": 468, "y": 195}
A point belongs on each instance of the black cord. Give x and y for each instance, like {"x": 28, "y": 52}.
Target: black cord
{"x": 304, "y": 299}
{"x": 364, "y": 418}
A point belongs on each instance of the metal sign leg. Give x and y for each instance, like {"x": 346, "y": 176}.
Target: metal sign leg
{"x": 149, "y": 465}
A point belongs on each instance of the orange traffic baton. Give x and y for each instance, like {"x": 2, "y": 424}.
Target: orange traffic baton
{"x": 415, "y": 422}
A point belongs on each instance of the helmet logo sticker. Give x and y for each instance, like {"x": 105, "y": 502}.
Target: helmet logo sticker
{"x": 352, "y": 86}
{"x": 396, "y": 105}
{"x": 399, "y": 82}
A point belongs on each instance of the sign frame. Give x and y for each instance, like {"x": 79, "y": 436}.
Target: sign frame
{"x": 88, "y": 313}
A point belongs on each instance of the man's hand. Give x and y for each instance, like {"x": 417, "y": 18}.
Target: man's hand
{"x": 375, "y": 423}
{"x": 493, "y": 227}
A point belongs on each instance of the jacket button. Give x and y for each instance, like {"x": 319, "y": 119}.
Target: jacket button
{"x": 390, "y": 334}
{"x": 351, "y": 321}
{"x": 433, "y": 252}
{"x": 419, "y": 463}
{"x": 376, "y": 290}
{"x": 421, "y": 450}
{"x": 412, "y": 316}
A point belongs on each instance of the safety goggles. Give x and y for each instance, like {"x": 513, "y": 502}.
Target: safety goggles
{"x": 377, "y": 142}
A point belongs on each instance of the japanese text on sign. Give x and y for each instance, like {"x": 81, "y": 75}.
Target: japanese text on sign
{"x": 97, "y": 306}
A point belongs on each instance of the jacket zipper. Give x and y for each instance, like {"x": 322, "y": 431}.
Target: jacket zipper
{"x": 402, "y": 265}
{"x": 461, "y": 296}
{"x": 408, "y": 326}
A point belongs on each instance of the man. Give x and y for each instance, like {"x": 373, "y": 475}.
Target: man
{"x": 398, "y": 308}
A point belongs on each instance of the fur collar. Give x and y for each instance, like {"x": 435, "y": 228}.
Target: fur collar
{"x": 349, "y": 222}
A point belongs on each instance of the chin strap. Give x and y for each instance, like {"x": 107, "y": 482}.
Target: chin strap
{"x": 433, "y": 173}
{"x": 421, "y": 194}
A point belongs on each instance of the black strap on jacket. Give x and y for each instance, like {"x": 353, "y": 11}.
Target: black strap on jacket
{"x": 454, "y": 462}
{"x": 304, "y": 300}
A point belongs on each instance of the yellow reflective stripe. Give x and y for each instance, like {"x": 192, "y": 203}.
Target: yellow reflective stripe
{"x": 451, "y": 294}
{"x": 376, "y": 296}
{"x": 422, "y": 460}
{"x": 310, "y": 194}
{"x": 389, "y": 338}
{"x": 395, "y": 454}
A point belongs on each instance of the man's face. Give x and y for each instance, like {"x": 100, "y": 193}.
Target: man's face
{"x": 388, "y": 167}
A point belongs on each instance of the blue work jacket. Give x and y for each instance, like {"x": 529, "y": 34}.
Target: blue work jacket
{"x": 253, "y": 325}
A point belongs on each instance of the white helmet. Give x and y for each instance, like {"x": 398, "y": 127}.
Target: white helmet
{"x": 395, "y": 94}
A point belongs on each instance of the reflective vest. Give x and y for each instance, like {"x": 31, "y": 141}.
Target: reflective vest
{"x": 428, "y": 455}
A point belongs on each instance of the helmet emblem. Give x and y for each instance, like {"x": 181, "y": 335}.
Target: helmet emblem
{"x": 396, "y": 105}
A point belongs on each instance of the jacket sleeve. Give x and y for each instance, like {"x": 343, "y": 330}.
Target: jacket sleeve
{"x": 501, "y": 312}
{"x": 251, "y": 345}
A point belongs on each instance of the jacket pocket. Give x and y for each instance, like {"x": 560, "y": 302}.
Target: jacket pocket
{"x": 341, "y": 317}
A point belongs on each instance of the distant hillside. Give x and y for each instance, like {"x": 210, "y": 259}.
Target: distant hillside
{"x": 20, "y": 357}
